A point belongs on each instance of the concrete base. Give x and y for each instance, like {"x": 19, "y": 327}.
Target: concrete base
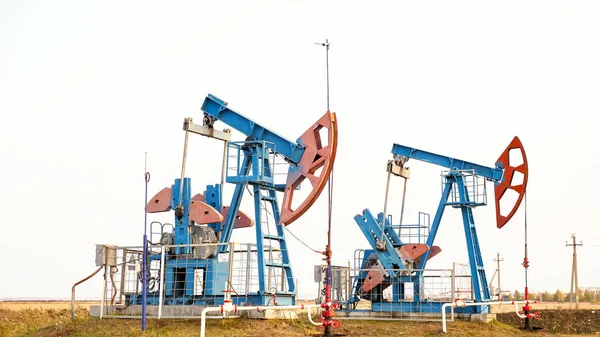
{"x": 183, "y": 311}
{"x": 386, "y": 315}
{"x": 483, "y": 317}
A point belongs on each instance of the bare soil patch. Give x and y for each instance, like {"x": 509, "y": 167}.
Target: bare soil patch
{"x": 562, "y": 321}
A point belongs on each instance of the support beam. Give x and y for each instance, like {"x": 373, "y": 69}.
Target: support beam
{"x": 494, "y": 174}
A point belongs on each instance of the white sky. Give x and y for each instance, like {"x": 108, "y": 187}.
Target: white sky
{"x": 86, "y": 87}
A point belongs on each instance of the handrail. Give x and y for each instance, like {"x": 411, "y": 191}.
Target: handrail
{"x": 73, "y": 291}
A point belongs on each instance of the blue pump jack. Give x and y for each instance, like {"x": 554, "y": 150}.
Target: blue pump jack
{"x": 393, "y": 263}
{"x": 204, "y": 217}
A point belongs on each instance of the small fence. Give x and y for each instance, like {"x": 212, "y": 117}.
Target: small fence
{"x": 410, "y": 295}
{"x": 362, "y": 293}
{"x": 169, "y": 295}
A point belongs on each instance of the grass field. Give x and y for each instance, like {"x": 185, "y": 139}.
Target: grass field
{"x": 41, "y": 319}
{"x": 21, "y": 305}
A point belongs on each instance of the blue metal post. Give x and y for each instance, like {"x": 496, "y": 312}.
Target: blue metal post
{"x": 182, "y": 236}
{"x": 480, "y": 285}
{"x": 431, "y": 238}
{"x": 144, "y": 280}
{"x": 285, "y": 256}
{"x": 259, "y": 240}
{"x": 436, "y": 223}
{"x": 145, "y": 254}
{"x": 213, "y": 197}
{"x": 235, "y": 204}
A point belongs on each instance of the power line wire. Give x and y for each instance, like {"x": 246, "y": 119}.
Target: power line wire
{"x": 302, "y": 242}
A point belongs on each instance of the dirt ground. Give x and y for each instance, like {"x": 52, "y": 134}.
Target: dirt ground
{"x": 561, "y": 321}
{"x": 546, "y": 306}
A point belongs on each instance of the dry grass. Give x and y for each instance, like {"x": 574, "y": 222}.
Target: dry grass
{"x": 57, "y": 323}
{"x": 57, "y": 305}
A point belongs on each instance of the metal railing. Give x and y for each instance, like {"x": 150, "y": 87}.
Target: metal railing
{"x": 474, "y": 188}
{"x": 168, "y": 293}
{"x": 413, "y": 295}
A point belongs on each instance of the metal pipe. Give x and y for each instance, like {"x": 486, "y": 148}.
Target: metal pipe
{"x": 453, "y": 281}
{"x": 123, "y": 264}
{"x": 73, "y": 291}
{"x": 327, "y": 66}
{"x": 308, "y": 311}
{"x": 474, "y": 304}
{"x": 387, "y": 190}
{"x": 185, "y": 146}
{"x": 248, "y": 269}
{"x": 230, "y": 270}
{"x": 228, "y": 307}
{"x": 114, "y": 287}
{"x": 402, "y": 209}
{"x": 517, "y": 311}
{"x": 223, "y": 167}
{"x": 526, "y": 308}
{"x": 104, "y": 286}
{"x": 162, "y": 279}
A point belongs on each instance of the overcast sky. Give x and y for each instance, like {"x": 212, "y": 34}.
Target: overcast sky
{"x": 86, "y": 87}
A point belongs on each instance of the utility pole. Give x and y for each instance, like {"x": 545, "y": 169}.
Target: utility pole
{"x": 498, "y": 260}
{"x": 574, "y": 279}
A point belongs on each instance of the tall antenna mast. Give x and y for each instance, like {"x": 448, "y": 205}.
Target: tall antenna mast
{"x": 328, "y": 306}
{"x": 326, "y": 45}
{"x": 145, "y": 244}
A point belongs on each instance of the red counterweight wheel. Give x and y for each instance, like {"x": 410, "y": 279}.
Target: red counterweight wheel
{"x": 507, "y": 183}
{"x": 317, "y": 155}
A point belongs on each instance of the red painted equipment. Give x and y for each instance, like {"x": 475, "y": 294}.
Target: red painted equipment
{"x": 199, "y": 212}
{"x": 242, "y": 220}
{"x": 507, "y": 183}
{"x": 317, "y": 155}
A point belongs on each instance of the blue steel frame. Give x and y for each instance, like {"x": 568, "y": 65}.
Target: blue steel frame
{"x": 389, "y": 258}
{"x": 254, "y": 169}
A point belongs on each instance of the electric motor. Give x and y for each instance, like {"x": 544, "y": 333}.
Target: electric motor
{"x": 166, "y": 239}
{"x": 204, "y": 235}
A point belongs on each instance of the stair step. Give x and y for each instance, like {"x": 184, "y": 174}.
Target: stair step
{"x": 279, "y": 265}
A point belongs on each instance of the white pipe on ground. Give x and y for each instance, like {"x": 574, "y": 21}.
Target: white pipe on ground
{"x": 229, "y": 307}
{"x": 161, "y": 280}
{"x": 475, "y": 304}
{"x": 522, "y": 315}
{"x": 308, "y": 310}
